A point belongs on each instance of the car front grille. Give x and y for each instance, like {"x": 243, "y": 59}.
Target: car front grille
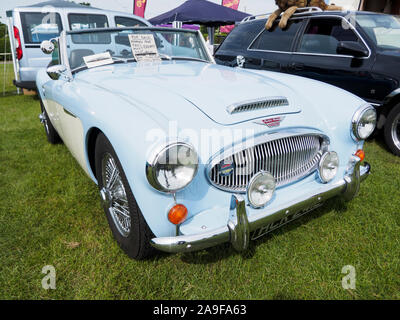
{"x": 288, "y": 159}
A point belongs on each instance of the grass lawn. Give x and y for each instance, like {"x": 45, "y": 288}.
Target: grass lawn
{"x": 50, "y": 214}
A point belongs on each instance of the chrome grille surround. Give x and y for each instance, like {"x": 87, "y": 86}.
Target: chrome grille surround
{"x": 259, "y": 104}
{"x": 293, "y": 155}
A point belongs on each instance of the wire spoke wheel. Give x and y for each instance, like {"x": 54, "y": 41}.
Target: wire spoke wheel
{"x": 113, "y": 195}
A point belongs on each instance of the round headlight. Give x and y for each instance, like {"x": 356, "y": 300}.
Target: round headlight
{"x": 261, "y": 188}
{"x": 364, "y": 122}
{"x": 172, "y": 168}
{"x": 328, "y": 166}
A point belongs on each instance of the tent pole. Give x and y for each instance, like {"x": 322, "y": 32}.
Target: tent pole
{"x": 211, "y": 31}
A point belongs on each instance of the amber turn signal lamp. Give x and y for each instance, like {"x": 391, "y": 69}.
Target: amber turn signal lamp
{"x": 361, "y": 154}
{"x": 177, "y": 214}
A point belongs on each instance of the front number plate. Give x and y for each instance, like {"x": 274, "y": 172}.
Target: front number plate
{"x": 279, "y": 223}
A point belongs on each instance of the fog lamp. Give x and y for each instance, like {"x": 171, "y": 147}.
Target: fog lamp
{"x": 261, "y": 188}
{"x": 328, "y": 166}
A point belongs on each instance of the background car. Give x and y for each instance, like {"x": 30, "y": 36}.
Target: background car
{"x": 30, "y": 25}
{"x": 356, "y": 51}
{"x": 182, "y": 165}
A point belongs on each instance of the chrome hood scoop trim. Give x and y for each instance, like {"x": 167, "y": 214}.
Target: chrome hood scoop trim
{"x": 258, "y": 104}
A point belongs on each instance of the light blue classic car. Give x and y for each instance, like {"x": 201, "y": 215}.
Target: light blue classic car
{"x": 188, "y": 154}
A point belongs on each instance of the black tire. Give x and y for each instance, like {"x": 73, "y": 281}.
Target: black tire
{"x": 136, "y": 242}
{"x": 392, "y": 130}
{"x": 51, "y": 133}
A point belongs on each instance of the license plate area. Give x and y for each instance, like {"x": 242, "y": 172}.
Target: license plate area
{"x": 281, "y": 222}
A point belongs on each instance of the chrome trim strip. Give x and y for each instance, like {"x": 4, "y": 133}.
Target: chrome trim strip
{"x": 317, "y": 54}
{"x": 296, "y": 208}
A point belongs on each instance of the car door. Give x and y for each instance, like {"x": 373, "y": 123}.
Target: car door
{"x": 272, "y": 49}
{"x": 65, "y": 121}
{"x": 316, "y": 56}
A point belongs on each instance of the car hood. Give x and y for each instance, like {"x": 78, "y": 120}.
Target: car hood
{"x": 209, "y": 87}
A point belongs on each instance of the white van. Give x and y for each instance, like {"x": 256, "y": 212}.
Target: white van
{"x": 29, "y": 26}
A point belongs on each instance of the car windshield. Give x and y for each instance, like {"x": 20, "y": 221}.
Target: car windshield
{"x": 134, "y": 44}
{"x": 384, "y": 30}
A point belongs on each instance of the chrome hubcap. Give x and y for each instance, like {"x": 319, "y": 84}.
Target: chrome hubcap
{"x": 396, "y": 131}
{"x": 114, "y": 197}
{"x": 43, "y": 120}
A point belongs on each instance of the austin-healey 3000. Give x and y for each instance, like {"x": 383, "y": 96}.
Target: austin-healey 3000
{"x": 188, "y": 154}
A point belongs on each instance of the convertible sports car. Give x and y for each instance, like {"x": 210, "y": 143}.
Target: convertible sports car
{"x": 188, "y": 154}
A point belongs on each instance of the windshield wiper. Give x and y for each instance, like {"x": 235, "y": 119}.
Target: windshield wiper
{"x": 189, "y": 58}
{"x": 165, "y": 56}
{"x": 124, "y": 60}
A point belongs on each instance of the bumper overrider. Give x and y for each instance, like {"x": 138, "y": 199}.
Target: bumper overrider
{"x": 238, "y": 228}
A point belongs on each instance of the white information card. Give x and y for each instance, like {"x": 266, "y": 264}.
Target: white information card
{"x": 144, "y": 47}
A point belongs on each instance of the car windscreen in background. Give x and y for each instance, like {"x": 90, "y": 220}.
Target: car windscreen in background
{"x": 38, "y": 27}
{"x": 128, "y": 22}
{"x": 89, "y": 21}
{"x": 242, "y": 35}
{"x": 277, "y": 39}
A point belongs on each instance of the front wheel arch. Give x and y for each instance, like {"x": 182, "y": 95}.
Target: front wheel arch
{"x": 390, "y": 102}
{"x": 91, "y": 138}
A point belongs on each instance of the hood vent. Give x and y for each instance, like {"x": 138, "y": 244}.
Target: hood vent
{"x": 258, "y": 104}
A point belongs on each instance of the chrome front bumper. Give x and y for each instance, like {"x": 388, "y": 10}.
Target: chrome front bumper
{"x": 237, "y": 231}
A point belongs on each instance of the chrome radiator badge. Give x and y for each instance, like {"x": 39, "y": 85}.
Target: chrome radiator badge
{"x": 271, "y": 122}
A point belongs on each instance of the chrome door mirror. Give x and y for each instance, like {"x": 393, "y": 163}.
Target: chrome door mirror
{"x": 55, "y": 72}
{"x": 47, "y": 47}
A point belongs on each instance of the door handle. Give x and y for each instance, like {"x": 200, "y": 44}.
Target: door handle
{"x": 297, "y": 66}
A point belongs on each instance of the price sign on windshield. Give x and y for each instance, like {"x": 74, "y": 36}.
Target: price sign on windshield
{"x": 144, "y": 47}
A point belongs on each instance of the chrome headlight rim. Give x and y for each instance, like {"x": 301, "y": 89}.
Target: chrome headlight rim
{"x": 321, "y": 163}
{"x": 249, "y": 187}
{"x": 356, "y": 120}
{"x": 155, "y": 156}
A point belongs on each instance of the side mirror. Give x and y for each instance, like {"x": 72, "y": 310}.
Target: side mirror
{"x": 55, "y": 72}
{"x": 47, "y": 47}
{"x": 352, "y": 48}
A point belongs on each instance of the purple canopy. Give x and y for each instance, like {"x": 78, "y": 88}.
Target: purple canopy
{"x": 200, "y": 12}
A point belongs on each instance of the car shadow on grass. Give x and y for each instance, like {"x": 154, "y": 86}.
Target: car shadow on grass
{"x": 224, "y": 251}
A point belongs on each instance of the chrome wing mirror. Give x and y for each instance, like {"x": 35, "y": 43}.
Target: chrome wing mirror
{"x": 47, "y": 46}
{"x": 55, "y": 72}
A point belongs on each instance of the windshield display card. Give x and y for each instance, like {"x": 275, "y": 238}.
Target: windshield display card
{"x": 97, "y": 60}
{"x": 144, "y": 47}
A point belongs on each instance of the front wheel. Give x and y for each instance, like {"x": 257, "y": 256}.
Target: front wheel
{"x": 51, "y": 133}
{"x": 124, "y": 217}
{"x": 392, "y": 130}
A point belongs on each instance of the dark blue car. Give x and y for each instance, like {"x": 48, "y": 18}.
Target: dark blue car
{"x": 356, "y": 51}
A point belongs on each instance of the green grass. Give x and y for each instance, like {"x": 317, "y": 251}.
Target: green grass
{"x": 48, "y": 205}
{"x": 6, "y": 77}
